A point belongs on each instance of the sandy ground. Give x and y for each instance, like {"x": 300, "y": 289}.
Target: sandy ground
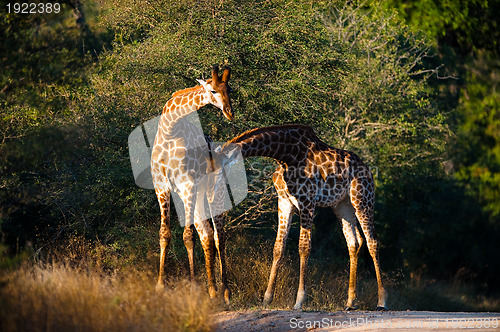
{"x": 282, "y": 320}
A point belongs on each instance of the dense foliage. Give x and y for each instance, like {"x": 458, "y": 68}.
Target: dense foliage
{"x": 73, "y": 89}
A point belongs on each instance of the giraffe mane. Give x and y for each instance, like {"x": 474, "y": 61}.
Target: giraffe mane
{"x": 188, "y": 90}
{"x": 257, "y": 131}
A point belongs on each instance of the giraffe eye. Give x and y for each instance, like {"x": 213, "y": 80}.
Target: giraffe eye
{"x": 213, "y": 92}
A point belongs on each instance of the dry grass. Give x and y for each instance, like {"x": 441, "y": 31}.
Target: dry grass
{"x": 249, "y": 270}
{"x": 250, "y": 263}
{"x": 60, "y": 298}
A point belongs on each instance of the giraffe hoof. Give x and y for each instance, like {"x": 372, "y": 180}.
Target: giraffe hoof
{"x": 267, "y": 300}
{"x": 382, "y": 309}
{"x": 351, "y": 308}
{"x": 160, "y": 287}
{"x": 227, "y": 296}
{"x": 212, "y": 292}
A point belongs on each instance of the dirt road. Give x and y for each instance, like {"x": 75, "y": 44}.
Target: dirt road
{"x": 277, "y": 320}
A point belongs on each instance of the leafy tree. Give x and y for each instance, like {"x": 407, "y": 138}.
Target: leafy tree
{"x": 351, "y": 72}
{"x": 356, "y": 74}
{"x": 468, "y": 25}
{"x": 478, "y": 155}
{"x": 466, "y": 37}
{"x": 44, "y": 57}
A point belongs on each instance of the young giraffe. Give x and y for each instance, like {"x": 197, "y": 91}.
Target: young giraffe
{"x": 175, "y": 167}
{"x": 311, "y": 174}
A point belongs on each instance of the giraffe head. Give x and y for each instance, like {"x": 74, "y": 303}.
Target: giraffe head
{"x": 217, "y": 91}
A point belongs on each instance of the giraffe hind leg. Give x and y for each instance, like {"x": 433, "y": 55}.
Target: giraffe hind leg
{"x": 362, "y": 194}
{"x": 347, "y": 217}
{"x": 285, "y": 213}
{"x": 164, "y": 234}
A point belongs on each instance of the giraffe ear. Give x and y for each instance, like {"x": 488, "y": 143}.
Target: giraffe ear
{"x": 215, "y": 74}
{"x": 226, "y": 74}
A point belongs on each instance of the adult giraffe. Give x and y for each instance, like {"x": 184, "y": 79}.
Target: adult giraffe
{"x": 178, "y": 162}
{"x": 311, "y": 174}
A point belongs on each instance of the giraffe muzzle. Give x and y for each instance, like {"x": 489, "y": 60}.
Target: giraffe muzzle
{"x": 228, "y": 113}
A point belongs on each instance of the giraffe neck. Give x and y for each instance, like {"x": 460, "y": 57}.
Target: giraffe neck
{"x": 179, "y": 124}
{"x": 183, "y": 103}
{"x": 298, "y": 146}
{"x": 288, "y": 143}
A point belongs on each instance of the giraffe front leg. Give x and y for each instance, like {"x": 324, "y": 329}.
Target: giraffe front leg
{"x": 189, "y": 238}
{"x": 285, "y": 213}
{"x": 165, "y": 235}
{"x": 304, "y": 251}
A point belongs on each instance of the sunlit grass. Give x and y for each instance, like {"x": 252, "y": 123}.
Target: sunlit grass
{"x": 56, "y": 297}
{"x": 92, "y": 294}
{"x": 249, "y": 270}
{"x": 250, "y": 264}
